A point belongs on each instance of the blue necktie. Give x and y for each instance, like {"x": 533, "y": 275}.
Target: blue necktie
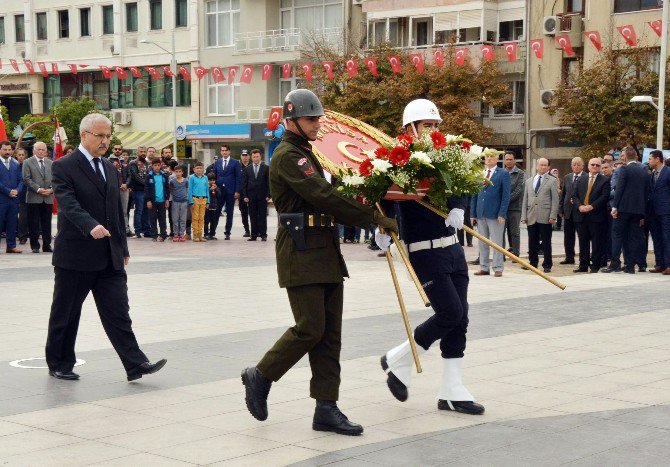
{"x": 537, "y": 185}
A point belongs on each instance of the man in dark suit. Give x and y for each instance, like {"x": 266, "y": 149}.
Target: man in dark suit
{"x": 590, "y": 196}
{"x": 256, "y": 193}
{"x": 39, "y": 198}
{"x": 245, "y": 160}
{"x": 228, "y": 179}
{"x": 20, "y": 155}
{"x": 567, "y": 210}
{"x": 90, "y": 254}
{"x": 11, "y": 185}
{"x": 658, "y": 212}
{"x": 628, "y": 210}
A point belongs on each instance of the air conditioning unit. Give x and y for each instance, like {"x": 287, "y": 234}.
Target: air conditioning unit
{"x": 121, "y": 117}
{"x": 550, "y": 25}
{"x": 546, "y": 97}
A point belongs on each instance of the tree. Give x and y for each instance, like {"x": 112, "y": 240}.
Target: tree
{"x": 42, "y": 133}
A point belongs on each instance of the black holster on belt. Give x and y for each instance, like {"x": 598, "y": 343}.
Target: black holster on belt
{"x": 294, "y": 223}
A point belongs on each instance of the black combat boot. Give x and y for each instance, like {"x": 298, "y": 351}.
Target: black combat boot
{"x": 328, "y": 417}
{"x": 257, "y": 389}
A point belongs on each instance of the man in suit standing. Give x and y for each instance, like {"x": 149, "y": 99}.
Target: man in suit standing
{"x": 90, "y": 254}
{"x": 658, "y": 212}
{"x": 539, "y": 210}
{"x": 517, "y": 181}
{"x": 11, "y": 185}
{"x": 22, "y": 232}
{"x": 567, "y": 209}
{"x": 628, "y": 211}
{"x": 245, "y": 160}
{"x": 489, "y": 210}
{"x": 591, "y": 196}
{"x": 39, "y": 198}
{"x": 256, "y": 193}
{"x": 228, "y": 179}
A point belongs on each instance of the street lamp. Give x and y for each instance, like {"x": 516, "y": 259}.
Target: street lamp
{"x": 646, "y": 99}
{"x": 173, "y": 68}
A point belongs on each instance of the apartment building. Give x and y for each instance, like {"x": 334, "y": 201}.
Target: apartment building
{"x": 573, "y": 17}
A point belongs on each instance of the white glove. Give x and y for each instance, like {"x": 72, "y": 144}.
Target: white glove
{"x": 455, "y": 218}
{"x": 382, "y": 240}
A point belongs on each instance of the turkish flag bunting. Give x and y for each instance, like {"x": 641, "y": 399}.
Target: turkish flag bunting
{"x": 73, "y": 68}
{"x": 135, "y": 71}
{"x": 14, "y": 63}
{"x": 439, "y": 58}
{"x": 232, "y": 73}
{"x": 29, "y": 66}
{"x": 594, "y": 37}
{"x": 565, "y": 43}
{"x": 460, "y": 56}
{"x": 275, "y": 117}
{"x": 538, "y": 47}
{"x": 657, "y": 26}
{"x": 352, "y": 67}
{"x": 153, "y": 71}
{"x": 510, "y": 49}
{"x": 183, "y": 71}
{"x": 83, "y": 65}
{"x": 628, "y": 33}
{"x": 217, "y": 74}
{"x": 328, "y": 66}
{"x": 267, "y": 72}
{"x": 417, "y": 60}
{"x": 106, "y": 72}
{"x": 121, "y": 72}
{"x": 43, "y": 69}
{"x": 167, "y": 70}
{"x": 307, "y": 69}
{"x": 247, "y": 73}
{"x": 371, "y": 63}
{"x": 487, "y": 51}
{"x": 54, "y": 69}
{"x": 286, "y": 70}
{"x": 394, "y": 60}
{"x": 200, "y": 71}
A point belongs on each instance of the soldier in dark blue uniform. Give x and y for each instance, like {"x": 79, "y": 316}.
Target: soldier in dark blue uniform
{"x": 439, "y": 262}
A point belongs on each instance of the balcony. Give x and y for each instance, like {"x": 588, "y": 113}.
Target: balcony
{"x": 283, "y": 40}
{"x": 505, "y": 65}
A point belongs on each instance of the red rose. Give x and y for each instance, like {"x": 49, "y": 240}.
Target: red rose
{"x": 405, "y": 140}
{"x": 365, "y": 169}
{"x": 466, "y": 145}
{"x": 439, "y": 141}
{"x": 399, "y": 155}
{"x": 382, "y": 153}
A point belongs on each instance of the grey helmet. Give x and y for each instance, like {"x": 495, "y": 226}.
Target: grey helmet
{"x": 302, "y": 103}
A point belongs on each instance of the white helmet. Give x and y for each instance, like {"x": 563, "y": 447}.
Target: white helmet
{"x": 420, "y": 109}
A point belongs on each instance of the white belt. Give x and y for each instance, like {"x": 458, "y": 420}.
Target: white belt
{"x": 435, "y": 243}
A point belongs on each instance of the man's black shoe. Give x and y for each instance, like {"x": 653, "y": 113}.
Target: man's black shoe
{"x": 23, "y": 241}
{"x": 630, "y": 270}
{"x": 580, "y": 270}
{"x": 397, "y": 388}
{"x": 467, "y": 407}
{"x": 475, "y": 262}
{"x": 212, "y": 237}
{"x": 246, "y": 234}
{"x": 36, "y": 250}
{"x": 567, "y": 261}
{"x": 67, "y": 375}
{"x": 547, "y": 270}
{"x": 610, "y": 269}
{"x": 227, "y": 237}
{"x": 373, "y": 247}
{"x": 257, "y": 388}
{"x": 252, "y": 239}
{"x": 139, "y": 235}
{"x": 594, "y": 270}
{"x": 641, "y": 269}
{"x": 145, "y": 368}
{"x": 264, "y": 239}
{"x": 47, "y": 250}
{"x": 328, "y": 417}
{"x": 130, "y": 234}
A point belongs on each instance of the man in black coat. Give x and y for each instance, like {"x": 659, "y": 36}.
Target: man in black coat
{"x": 567, "y": 210}
{"x": 90, "y": 253}
{"x": 256, "y": 192}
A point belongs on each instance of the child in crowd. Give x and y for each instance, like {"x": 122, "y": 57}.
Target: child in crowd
{"x": 210, "y": 215}
{"x": 157, "y": 192}
{"x": 179, "y": 209}
{"x": 198, "y": 199}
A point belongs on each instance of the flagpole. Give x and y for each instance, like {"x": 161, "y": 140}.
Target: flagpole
{"x": 661, "y": 74}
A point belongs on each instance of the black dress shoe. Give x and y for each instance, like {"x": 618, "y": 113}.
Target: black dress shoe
{"x": 212, "y": 237}
{"x": 475, "y": 262}
{"x": 145, "y": 368}
{"x": 328, "y": 417}
{"x": 467, "y": 407}
{"x": 641, "y": 269}
{"x": 23, "y": 241}
{"x": 567, "y": 261}
{"x": 227, "y": 237}
{"x": 397, "y": 388}
{"x": 47, "y": 250}
{"x": 252, "y": 239}
{"x": 36, "y": 250}
{"x": 246, "y": 234}
{"x": 130, "y": 234}
{"x": 264, "y": 239}
{"x": 580, "y": 270}
{"x": 547, "y": 270}
{"x": 630, "y": 270}
{"x": 67, "y": 375}
{"x": 594, "y": 270}
{"x": 139, "y": 235}
{"x": 257, "y": 388}
{"x": 610, "y": 269}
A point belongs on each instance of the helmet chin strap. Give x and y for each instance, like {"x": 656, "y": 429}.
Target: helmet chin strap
{"x": 416, "y": 133}
{"x": 302, "y": 133}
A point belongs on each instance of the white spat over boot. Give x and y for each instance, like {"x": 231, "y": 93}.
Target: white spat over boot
{"x": 453, "y": 394}
{"x": 398, "y": 363}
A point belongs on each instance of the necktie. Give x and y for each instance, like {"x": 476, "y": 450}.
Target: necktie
{"x": 574, "y": 180}
{"x": 488, "y": 174}
{"x": 255, "y": 170}
{"x": 588, "y": 190}
{"x": 225, "y": 164}
{"x": 96, "y": 161}
{"x": 7, "y": 163}
{"x": 538, "y": 183}
{"x": 654, "y": 177}
{"x": 42, "y": 169}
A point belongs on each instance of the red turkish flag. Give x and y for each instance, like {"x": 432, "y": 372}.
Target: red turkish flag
{"x": 43, "y": 69}
{"x": 511, "y": 49}
{"x": 167, "y": 70}
{"x": 371, "y": 63}
{"x": 657, "y": 26}
{"x": 307, "y": 69}
{"x": 328, "y": 66}
{"x": 439, "y": 58}
{"x": 73, "y": 67}
{"x": 460, "y": 56}
{"x": 232, "y": 73}
{"x": 83, "y": 65}
{"x": 594, "y": 37}
{"x": 135, "y": 71}
{"x": 247, "y": 74}
{"x": 120, "y": 72}
{"x": 183, "y": 71}
{"x": 153, "y": 71}
{"x": 275, "y": 118}
{"x": 217, "y": 74}
{"x": 200, "y": 71}
{"x": 286, "y": 70}
{"x": 15, "y": 64}
{"x": 267, "y": 72}
{"x": 106, "y": 72}
{"x": 628, "y": 33}
{"x": 417, "y": 60}
{"x": 394, "y": 60}
{"x": 538, "y": 47}
{"x": 29, "y": 66}
{"x": 487, "y": 51}
{"x": 565, "y": 43}
{"x": 54, "y": 69}
{"x": 352, "y": 67}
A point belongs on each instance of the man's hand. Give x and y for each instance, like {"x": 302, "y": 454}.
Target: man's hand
{"x": 99, "y": 232}
{"x": 206, "y": 206}
{"x": 167, "y": 204}
{"x": 455, "y": 218}
{"x": 385, "y": 223}
{"x": 13, "y": 193}
{"x": 382, "y": 240}
{"x": 126, "y": 260}
{"x": 149, "y": 204}
{"x": 615, "y": 213}
{"x": 642, "y": 222}
{"x": 124, "y": 187}
{"x": 523, "y": 221}
{"x": 246, "y": 200}
{"x": 237, "y": 195}
{"x": 552, "y": 220}
{"x": 501, "y": 220}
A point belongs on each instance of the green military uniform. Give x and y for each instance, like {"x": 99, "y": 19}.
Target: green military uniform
{"x": 312, "y": 276}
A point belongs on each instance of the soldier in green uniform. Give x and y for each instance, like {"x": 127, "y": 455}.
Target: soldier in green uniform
{"x": 310, "y": 266}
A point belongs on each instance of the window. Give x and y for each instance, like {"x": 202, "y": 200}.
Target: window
{"x": 41, "y": 26}
{"x": 515, "y": 104}
{"x": 554, "y": 139}
{"x": 572, "y": 67}
{"x": 622, "y": 6}
{"x": 19, "y": 28}
{"x": 2, "y": 29}
{"x": 180, "y": 13}
{"x": 574, "y": 6}
{"x": 108, "y": 19}
{"x": 510, "y": 30}
{"x": 156, "y": 14}
{"x": 84, "y": 22}
{"x": 311, "y": 14}
{"x": 222, "y": 98}
{"x": 223, "y": 22}
{"x": 422, "y": 33}
{"x": 63, "y": 24}
{"x": 287, "y": 85}
{"x": 131, "y": 17}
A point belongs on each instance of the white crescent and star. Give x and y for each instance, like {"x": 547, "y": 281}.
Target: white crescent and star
{"x": 535, "y": 45}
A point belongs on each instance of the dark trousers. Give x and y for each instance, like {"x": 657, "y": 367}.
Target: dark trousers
{"x": 9, "y": 219}
{"x": 244, "y": 211}
{"x": 444, "y": 273}
{"x": 627, "y": 235}
{"x": 591, "y": 244}
{"x": 169, "y": 214}
{"x": 226, "y": 201}
{"x": 157, "y": 216}
{"x": 607, "y": 239}
{"x": 317, "y": 309}
{"x": 540, "y": 233}
{"x": 110, "y": 292}
{"x": 258, "y": 212}
{"x": 39, "y": 220}
{"x": 141, "y": 217}
{"x": 23, "y": 222}
{"x": 211, "y": 221}
{"x": 513, "y": 229}
{"x": 569, "y": 234}
{"x": 660, "y": 234}
{"x": 464, "y": 236}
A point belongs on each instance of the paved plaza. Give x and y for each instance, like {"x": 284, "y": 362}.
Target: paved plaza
{"x": 579, "y": 377}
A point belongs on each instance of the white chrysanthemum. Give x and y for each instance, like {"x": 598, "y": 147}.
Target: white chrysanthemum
{"x": 353, "y": 180}
{"x": 421, "y": 157}
{"x": 476, "y": 150}
{"x": 451, "y": 138}
{"x": 381, "y": 166}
